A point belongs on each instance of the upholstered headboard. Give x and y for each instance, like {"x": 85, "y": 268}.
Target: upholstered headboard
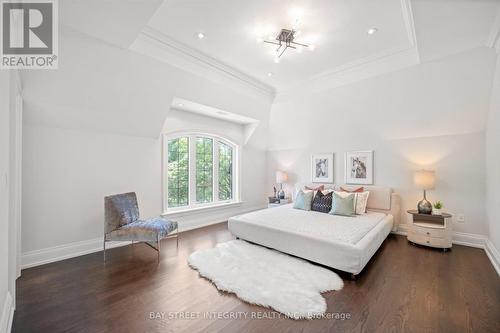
{"x": 382, "y": 198}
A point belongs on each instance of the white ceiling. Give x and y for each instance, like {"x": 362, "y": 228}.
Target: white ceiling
{"x": 115, "y": 21}
{"x": 338, "y": 28}
{"x": 445, "y": 27}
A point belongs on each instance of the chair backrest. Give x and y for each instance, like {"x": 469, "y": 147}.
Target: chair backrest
{"x": 120, "y": 209}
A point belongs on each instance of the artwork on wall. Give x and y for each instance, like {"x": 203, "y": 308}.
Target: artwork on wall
{"x": 358, "y": 167}
{"x": 322, "y": 168}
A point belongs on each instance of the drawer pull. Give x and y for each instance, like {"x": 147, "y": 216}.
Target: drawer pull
{"x": 428, "y": 233}
{"x": 427, "y": 242}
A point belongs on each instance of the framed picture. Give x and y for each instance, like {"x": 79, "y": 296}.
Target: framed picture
{"x": 322, "y": 168}
{"x": 358, "y": 167}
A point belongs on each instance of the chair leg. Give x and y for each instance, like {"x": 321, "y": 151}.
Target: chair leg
{"x": 104, "y": 247}
{"x": 158, "y": 246}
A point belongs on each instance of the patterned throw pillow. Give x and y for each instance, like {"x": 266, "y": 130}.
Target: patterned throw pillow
{"x": 303, "y": 200}
{"x": 322, "y": 202}
{"x": 343, "y": 205}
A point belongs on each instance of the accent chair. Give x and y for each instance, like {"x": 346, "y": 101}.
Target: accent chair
{"x": 122, "y": 223}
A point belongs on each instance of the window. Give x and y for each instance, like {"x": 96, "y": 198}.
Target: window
{"x": 200, "y": 171}
{"x": 178, "y": 172}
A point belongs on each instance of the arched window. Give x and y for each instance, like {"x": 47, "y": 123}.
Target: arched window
{"x": 200, "y": 170}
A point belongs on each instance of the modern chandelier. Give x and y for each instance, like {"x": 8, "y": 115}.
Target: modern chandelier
{"x": 285, "y": 40}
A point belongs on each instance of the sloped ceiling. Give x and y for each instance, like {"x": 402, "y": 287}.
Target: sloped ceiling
{"x": 115, "y": 21}
{"x": 102, "y": 85}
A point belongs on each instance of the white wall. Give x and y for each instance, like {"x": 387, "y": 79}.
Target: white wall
{"x": 493, "y": 160}
{"x": 431, "y": 115}
{"x": 8, "y": 227}
{"x": 92, "y": 128}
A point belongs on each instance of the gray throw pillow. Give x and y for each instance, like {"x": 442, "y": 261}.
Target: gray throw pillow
{"x": 343, "y": 205}
{"x": 303, "y": 200}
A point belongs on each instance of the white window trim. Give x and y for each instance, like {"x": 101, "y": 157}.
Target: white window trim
{"x": 192, "y": 205}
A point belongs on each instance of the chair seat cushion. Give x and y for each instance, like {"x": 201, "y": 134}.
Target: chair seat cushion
{"x": 144, "y": 230}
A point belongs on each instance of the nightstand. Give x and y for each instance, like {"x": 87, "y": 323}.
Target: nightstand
{"x": 430, "y": 230}
{"x": 280, "y": 203}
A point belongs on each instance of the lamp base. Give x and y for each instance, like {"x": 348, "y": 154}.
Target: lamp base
{"x": 281, "y": 194}
{"x": 424, "y": 207}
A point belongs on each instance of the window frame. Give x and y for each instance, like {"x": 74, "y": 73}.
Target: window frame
{"x": 192, "y": 204}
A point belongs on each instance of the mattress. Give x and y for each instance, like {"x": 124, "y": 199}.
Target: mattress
{"x": 344, "y": 243}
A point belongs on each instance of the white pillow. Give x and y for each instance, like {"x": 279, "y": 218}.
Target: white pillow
{"x": 360, "y": 200}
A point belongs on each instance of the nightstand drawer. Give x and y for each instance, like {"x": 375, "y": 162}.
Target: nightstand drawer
{"x": 429, "y": 241}
{"x": 430, "y": 232}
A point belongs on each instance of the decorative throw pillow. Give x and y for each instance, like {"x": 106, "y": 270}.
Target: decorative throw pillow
{"x": 343, "y": 205}
{"x": 322, "y": 202}
{"x": 303, "y": 200}
{"x": 358, "y": 190}
{"x": 360, "y": 199}
{"x": 319, "y": 188}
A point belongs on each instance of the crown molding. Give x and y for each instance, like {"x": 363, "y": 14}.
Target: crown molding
{"x": 493, "y": 40}
{"x": 386, "y": 62}
{"x": 153, "y": 43}
{"x": 364, "y": 68}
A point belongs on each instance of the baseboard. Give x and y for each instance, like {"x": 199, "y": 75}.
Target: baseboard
{"x": 75, "y": 249}
{"x": 494, "y": 255}
{"x": 459, "y": 238}
{"x": 199, "y": 222}
{"x": 7, "y": 314}
{"x": 468, "y": 239}
{"x": 472, "y": 240}
{"x": 65, "y": 251}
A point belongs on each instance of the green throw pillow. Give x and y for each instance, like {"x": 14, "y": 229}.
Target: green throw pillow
{"x": 343, "y": 205}
{"x": 303, "y": 200}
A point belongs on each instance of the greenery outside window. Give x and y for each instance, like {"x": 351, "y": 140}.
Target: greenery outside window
{"x": 200, "y": 171}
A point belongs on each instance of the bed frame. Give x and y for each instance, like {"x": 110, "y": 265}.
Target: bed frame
{"x": 381, "y": 199}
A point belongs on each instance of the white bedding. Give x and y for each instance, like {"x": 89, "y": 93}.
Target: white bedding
{"x": 314, "y": 224}
{"x": 344, "y": 243}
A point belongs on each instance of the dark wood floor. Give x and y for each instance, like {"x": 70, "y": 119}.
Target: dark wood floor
{"x": 403, "y": 289}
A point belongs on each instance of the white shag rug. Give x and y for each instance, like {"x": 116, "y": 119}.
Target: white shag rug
{"x": 267, "y": 277}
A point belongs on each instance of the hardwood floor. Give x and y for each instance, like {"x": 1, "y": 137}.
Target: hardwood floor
{"x": 403, "y": 289}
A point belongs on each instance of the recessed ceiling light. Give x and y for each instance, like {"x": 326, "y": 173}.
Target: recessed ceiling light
{"x": 269, "y": 74}
{"x": 371, "y": 31}
{"x": 201, "y": 35}
{"x": 312, "y": 47}
{"x": 180, "y": 104}
{"x": 277, "y": 60}
{"x": 260, "y": 40}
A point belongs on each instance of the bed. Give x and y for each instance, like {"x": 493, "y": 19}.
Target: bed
{"x": 343, "y": 243}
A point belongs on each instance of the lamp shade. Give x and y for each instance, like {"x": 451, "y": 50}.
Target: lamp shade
{"x": 424, "y": 179}
{"x": 281, "y": 177}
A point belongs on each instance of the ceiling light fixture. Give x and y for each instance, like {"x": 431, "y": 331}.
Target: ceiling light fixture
{"x": 180, "y": 104}
{"x": 371, "y": 31}
{"x": 201, "y": 35}
{"x": 285, "y": 40}
{"x": 269, "y": 74}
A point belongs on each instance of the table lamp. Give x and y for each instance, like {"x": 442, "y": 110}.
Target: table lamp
{"x": 281, "y": 178}
{"x": 424, "y": 180}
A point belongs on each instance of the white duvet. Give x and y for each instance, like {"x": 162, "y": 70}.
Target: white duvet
{"x": 314, "y": 224}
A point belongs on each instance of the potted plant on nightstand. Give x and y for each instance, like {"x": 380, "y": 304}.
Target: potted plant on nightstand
{"x": 437, "y": 208}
